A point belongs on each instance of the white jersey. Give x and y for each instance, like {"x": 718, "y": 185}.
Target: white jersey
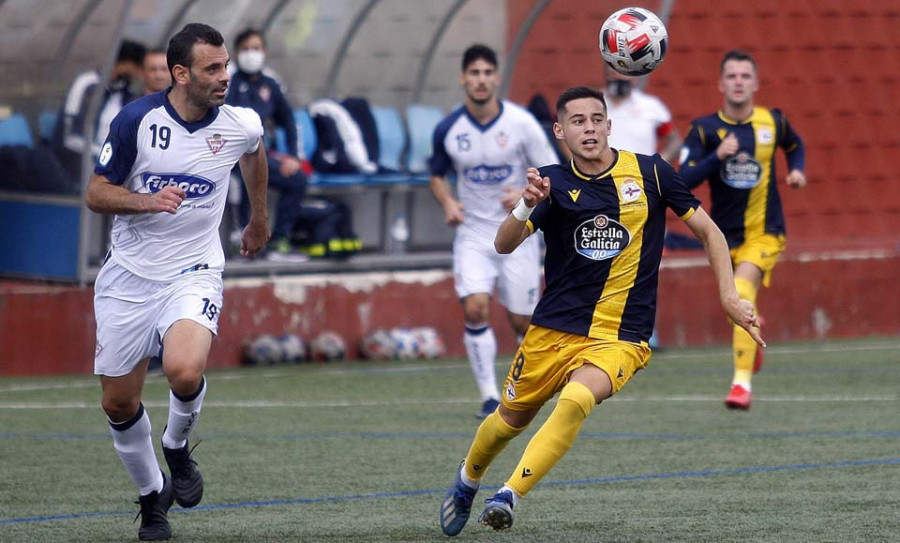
{"x": 488, "y": 159}
{"x": 149, "y": 147}
{"x": 638, "y": 123}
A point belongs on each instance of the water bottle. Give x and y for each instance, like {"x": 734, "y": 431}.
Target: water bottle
{"x": 399, "y": 235}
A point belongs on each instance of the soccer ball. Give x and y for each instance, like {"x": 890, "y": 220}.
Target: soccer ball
{"x": 378, "y": 345}
{"x": 292, "y": 347}
{"x": 633, "y": 41}
{"x": 406, "y": 345}
{"x": 430, "y": 343}
{"x": 264, "y": 350}
{"x": 327, "y": 347}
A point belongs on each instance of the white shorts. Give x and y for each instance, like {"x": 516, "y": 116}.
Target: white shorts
{"x": 478, "y": 268}
{"x": 134, "y": 314}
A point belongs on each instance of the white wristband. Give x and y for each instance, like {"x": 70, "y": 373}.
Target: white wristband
{"x": 521, "y": 212}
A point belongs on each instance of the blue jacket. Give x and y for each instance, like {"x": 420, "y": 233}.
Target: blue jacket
{"x": 263, "y": 95}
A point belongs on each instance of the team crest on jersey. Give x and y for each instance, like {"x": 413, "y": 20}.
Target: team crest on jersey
{"x": 510, "y": 392}
{"x": 216, "y": 142}
{"x": 630, "y": 190}
{"x": 741, "y": 171}
{"x": 105, "y": 154}
{"x": 265, "y": 93}
{"x": 601, "y": 238}
{"x": 193, "y": 186}
{"x": 764, "y": 135}
{"x": 502, "y": 139}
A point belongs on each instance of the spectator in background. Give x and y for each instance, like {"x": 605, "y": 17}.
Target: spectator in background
{"x": 155, "y": 72}
{"x": 734, "y": 149}
{"x": 71, "y": 136}
{"x": 488, "y": 143}
{"x": 641, "y": 123}
{"x": 250, "y": 87}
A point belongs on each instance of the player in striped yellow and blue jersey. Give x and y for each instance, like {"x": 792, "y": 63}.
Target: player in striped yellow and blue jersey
{"x": 735, "y": 150}
{"x": 603, "y": 218}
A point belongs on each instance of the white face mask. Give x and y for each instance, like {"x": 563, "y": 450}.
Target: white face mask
{"x": 251, "y": 61}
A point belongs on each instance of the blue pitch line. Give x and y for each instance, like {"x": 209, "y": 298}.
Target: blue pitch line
{"x": 457, "y": 435}
{"x": 407, "y": 493}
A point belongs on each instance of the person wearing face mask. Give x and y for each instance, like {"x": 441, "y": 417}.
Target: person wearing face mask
{"x": 71, "y": 132}
{"x": 251, "y": 86}
{"x": 640, "y": 122}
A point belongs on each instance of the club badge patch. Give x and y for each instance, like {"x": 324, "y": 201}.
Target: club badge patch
{"x": 215, "y": 143}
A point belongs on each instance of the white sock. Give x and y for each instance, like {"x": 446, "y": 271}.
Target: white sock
{"x": 481, "y": 346}
{"x": 135, "y": 448}
{"x": 471, "y": 483}
{"x": 183, "y": 413}
{"x": 515, "y": 496}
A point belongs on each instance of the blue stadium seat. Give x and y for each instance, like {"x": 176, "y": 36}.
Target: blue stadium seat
{"x": 281, "y": 141}
{"x": 47, "y": 120}
{"x": 391, "y": 137}
{"x": 15, "y": 131}
{"x": 421, "y": 121}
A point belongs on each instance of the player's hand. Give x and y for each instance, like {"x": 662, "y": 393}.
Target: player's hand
{"x": 288, "y": 165}
{"x": 453, "y": 212}
{"x": 728, "y": 147}
{"x": 796, "y": 179}
{"x": 254, "y": 237}
{"x": 538, "y": 188}
{"x": 744, "y": 315}
{"x": 166, "y": 200}
{"x": 510, "y": 198}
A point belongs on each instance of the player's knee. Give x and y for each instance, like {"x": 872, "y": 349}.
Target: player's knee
{"x": 185, "y": 379}
{"x": 476, "y": 313}
{"x": 120, "y": 409}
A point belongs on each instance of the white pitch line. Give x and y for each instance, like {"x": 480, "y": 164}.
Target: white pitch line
{"x": 262, "y": 404}
{"x": 226, "y": 374}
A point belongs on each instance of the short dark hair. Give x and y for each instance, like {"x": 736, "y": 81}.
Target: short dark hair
{"x": 479, "y": 52}
{"x": 576, "y": 93}
{"x": 246, "y": 34}
{"x": 736, "y": 54}
{"x": 131, "y": 51}
{"x": 181, "y": 45}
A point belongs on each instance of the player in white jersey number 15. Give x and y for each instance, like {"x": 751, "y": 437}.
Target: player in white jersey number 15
{"x": 488, "y": 143}
{"x": 163, "y": 171}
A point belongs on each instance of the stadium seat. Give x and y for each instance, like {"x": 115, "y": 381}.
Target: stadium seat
{"x": 421, "y": 121}
{"x": 15, "y": 131}
{"x": 391, "y": 137}
{"x": 281, "y": 140}
{"x": 47, "y": 124}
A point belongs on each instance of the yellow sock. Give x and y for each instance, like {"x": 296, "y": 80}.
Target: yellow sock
{"x": 743, "y": 345}
{"x": 554, "y": 438}
{"x": 490, "y": 439}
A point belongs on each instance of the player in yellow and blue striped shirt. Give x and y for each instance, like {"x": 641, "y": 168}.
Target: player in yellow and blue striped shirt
{"x": 735, "y": 150}
{"x": 603, "y": 218}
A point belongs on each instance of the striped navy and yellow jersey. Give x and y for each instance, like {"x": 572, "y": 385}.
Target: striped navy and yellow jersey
{"x": 745, "y": 200}
{"x": 604, "y": 236}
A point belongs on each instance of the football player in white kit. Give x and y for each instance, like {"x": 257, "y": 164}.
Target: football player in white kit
{"x": 488, "y": 144}
{"x": 164, "y": 171}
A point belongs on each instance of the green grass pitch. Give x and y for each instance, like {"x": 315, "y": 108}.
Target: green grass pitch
{"x": 363, "y": 452}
